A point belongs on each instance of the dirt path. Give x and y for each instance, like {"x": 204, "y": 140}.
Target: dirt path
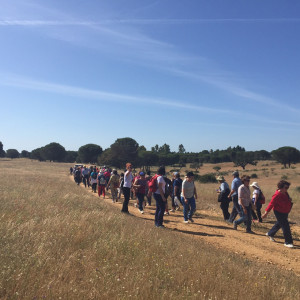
{"x": 218, "y": 233}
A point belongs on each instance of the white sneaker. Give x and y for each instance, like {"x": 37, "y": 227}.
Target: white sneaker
{"x": 270, "y": 237}
{"x": 185, "y": 222}
{"x": 289, "y": 245}
{"x": 141, "y": 211}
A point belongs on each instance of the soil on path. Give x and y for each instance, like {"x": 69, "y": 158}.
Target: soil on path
{"x": 209, "y": 227}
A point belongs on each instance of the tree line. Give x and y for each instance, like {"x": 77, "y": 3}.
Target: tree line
{"x": 127, "y": 149}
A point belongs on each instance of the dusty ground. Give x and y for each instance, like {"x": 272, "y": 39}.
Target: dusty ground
{"x": 209, "y": 227}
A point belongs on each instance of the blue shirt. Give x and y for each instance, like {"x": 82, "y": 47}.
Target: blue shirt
{"x": 236, "y": 182}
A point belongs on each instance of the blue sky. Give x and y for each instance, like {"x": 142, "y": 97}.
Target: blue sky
{"x": 205, "y": 74}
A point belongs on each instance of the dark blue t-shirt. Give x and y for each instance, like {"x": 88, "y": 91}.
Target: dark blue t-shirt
{"x": 177, "y": 182}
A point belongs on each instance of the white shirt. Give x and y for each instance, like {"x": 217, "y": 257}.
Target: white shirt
{"x": 160, "y": 179}
{"x": 128, "y": 179}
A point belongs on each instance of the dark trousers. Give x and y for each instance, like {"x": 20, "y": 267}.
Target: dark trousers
{"x": 141, "y": 200}
{"x": 94, "y": 187}
{"x": 235, "y": 209}
{"x": 258, "y": 212}
{"x": 283, "y": 223}
{"x": 126, "y": 193}
{"x": 160, "y": 210}
{"x": 224, "y": 206}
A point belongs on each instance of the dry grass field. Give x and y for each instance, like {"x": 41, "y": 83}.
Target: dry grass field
{"x": 59, "y": 241}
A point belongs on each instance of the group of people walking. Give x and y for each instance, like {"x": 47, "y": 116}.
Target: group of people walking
{"x": 248, "y": 207}
{"x": 183, "y": 192}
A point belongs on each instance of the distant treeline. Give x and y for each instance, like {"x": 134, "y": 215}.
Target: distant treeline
{"x": 127, "y": 149}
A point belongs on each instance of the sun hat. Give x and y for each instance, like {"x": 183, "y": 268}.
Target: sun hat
{"x": 220, "y": 178}
{"x": 255, "y": 184}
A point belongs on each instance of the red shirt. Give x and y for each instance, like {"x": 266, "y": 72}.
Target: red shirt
{"x": 280, "y": 202}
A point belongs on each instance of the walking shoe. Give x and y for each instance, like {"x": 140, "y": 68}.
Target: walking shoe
{"x": 289, "y": 245}
{"x": 191, "y": 220}
{"x": 161, "y": 226}
{"x": 234, "y": 225}
{"x": 141, "y": 211}
{"x": 249, "y": 231}
{"x": 167, "y": 213}
{"x": 172, "y": 210}
{"x": 185, "y": 222}
{"x": 177, "y": 208}
{"x": 270, "y": 237}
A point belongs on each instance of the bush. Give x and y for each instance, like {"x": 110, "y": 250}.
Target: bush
{"x": 284, "y": 177}
{"x": 297, "y": 189}
{"x": 254, "y": 175}
{"x": 206, "y": 178}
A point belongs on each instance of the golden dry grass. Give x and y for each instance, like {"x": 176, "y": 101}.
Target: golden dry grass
{"x": 60, "y": 242}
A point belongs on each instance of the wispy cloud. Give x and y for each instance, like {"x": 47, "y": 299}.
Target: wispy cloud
{"x": 138, "y": 21}
{"x": 112, "y": 36}
{"x": 30, "y": 84}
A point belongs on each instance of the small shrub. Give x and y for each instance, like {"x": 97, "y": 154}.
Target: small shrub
{"x": 206, "y": 178}
{"x": 297, "y": 189}
{"x": 284, "y": 177}
{"x": 254, "y": 175}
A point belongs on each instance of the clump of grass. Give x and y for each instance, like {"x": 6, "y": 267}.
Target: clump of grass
{"x": 254, "y": 175}
{"x": 284, "y": 177}
{"x": 297, "y": 189}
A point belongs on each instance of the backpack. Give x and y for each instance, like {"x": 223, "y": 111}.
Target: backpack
{"x": 152, "y": 184}
{"x": 94, "y": 175}
{"x": 102, "y": 180}
{"x": 261, "y": 198}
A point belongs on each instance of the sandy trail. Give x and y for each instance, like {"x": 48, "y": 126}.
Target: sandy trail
{"x": 218, "y": 233}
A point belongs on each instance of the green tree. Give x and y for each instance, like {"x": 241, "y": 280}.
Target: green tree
{"x": 146, "y": 159}
{"x": 165, "y": 149}
{"x": 37, "y": 154}
{"x": 89, "y": 153}
{"x": 25, "y": 154}
{"x": 2, "y": 152}
{"x": 54, "y": 152}
{"x": 217, "y": 168}
{"x": 181, "y": 149}
{"x": 242, "y": 159}
{"x": 12, "y": 153}
{"x": 123, "y": 150}
{"x": 286, "y": 155}
{"x": 196, "y": 165}
{"x": 71, "y": 156}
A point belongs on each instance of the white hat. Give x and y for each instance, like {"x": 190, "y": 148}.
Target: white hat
{"x": 255, "y": 184}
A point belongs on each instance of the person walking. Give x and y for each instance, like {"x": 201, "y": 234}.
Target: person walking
{"x": 128, "y": 177}
{"x": 177, "y": 186}
{"x": 93, "y": 179}
{"x": 86, "y": 176}
{"x": 188, "y": 197}
{"x": 113, "y": 184}
{"x": 139, "y": 185}
{"x": 244, "y": 201}
{"x": 233, "y": 195}
{"x": 101, "y": 184}
{"x": 223, "y": 193}
{"x": 256, "y": 200}
{"x": 281, "y": 204}
{"x": 159, "y": 196}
